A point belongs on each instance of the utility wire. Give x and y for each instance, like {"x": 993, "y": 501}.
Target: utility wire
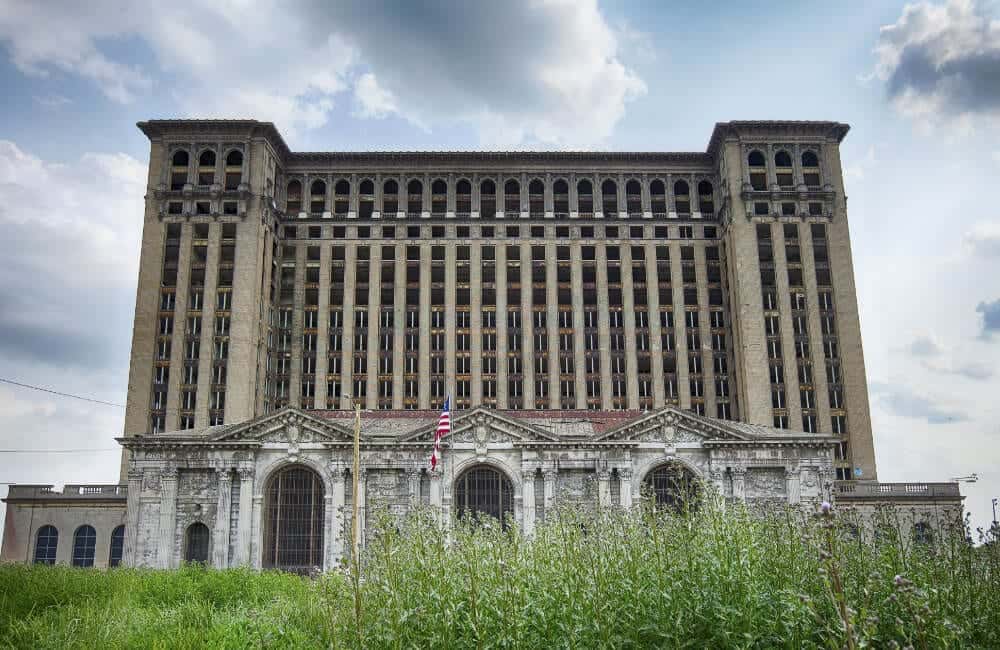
{"x": 55, "y": 392}
{"x": 55, "y": 451}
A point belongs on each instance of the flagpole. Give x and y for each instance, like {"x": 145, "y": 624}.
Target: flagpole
{"x": 355, "y": 527}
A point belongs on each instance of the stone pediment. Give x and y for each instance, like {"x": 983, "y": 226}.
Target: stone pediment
{"x": 483, "y": 427}
{"x": 289, "y": 425}
{"x": 671, "y": 426}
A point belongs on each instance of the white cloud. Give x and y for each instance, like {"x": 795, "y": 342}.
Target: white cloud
{"x": 373, "y": 100}
{"x": 941, "y": 62}
{"x": 545, "y": 71}
{"x": 983, "y": 239}
{"x": 857, "y": 169}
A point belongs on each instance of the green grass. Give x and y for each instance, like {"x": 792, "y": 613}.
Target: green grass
{"x": 640, "y": 579}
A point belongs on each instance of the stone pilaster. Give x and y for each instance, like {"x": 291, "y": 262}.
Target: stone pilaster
{"x": 246, "y": 477}
{"x": 528, "y": 500}
{"x": 220, "y": 545}
{"x": 168, "y": 518}
{"x": 133, "y": 503}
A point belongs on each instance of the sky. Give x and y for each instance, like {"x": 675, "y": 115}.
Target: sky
{"x": 918, "y": 83}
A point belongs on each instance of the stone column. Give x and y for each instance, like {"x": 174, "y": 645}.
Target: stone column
{"x": 628, "y": 309}
{"x": 527, "y": 328}
{"x": 374, "y": 326}
{"x": 450, "y": 288}
{"x": 323, "y": 327}
{"x": 603, "y": 326}
{"x": 792, "y": 487}
{"x": 336, "y": 528}
{"x": 625, "y": 487}
{"x": 552, "y": 324}
{"x": 220, "y": 544}
{"x": 739, "y": 483}
{"x": 413, "y": 483}
{"x": 680, "y": 326}
{"x": 476, "y": 325}
{"x": 501, "y": 285}
{"x": 255, "y": 529}
{"x": 579, "y": 353}
{"x": 437, "y": 495}
{"x": 528, "y": 500}
{"x": 604, "y": 488}
{"x": 347, "y": 336}
{"x": 362, "y": 503}
{"x": 655, "y": 335}
{"x": 549, "y": 476}
{"x": 424, "y": 329}
{"x": 399, "y": 327}
{"x": 168, "y": 518}
{"x": 131, "y": 551}
{"x": 243, "y": 525}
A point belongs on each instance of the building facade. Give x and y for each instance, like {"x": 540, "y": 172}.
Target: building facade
{"x": 706, "y": 287}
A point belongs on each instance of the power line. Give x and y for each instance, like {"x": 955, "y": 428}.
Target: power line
{"x": 55, "y": 392}
{"x": 55, "y": 451}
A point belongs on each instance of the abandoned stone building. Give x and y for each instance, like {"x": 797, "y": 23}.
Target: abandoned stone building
{"x": 609, "y": 327}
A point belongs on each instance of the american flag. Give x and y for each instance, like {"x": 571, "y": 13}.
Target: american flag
{"x": 443, "y": 429}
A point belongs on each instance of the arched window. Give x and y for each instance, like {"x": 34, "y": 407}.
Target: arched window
{"x": 658, "y": 198}
{"x": 633, "y": 197}
{"x": 536, "y": 198}
{"x": 84, "y": 545}
{"x": 196, "y": 543}
{"x": 206, "y": 167}
{"x": 317, "y": 197}
{"x": 682, "y": 197}
{"x": 783, "y": 169}
{"x": 758, "y": 170}
{"x": 179, "y": 169}
{"x": 512, "y": 198}
{"x": 672, "y": 485}
{"x": 585, "y": 197}
{"x": 487, "y": 198}
{"x": 810, "y": 169}
{"x": 560, "y": 198}
{"x": 485, "y": 490}
{"x": 117, "y": 546}
{"x": 293, "y": 519}
{"x": 463, "y": 197}
{"x": 293, "y": 197}
{"x": 366, "y": 200}
{"x": 415, "y": 197}
{"x": 341, "y": 197}
{"x": 439, "y": 197}
{"x": 609, "y": 197}
{"x": 234, "y": 170}
{"x": 922, "y": 533}
{"x": 390, "y": 198}
{"x": 706, "y": 199}
{"x": 46, "y": 542}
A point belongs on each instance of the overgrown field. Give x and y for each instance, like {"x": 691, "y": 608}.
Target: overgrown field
{"x": 635, "y": 580}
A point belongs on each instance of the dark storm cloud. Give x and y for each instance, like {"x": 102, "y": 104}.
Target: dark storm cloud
{"x": 899, "y": 400}
{"x": 991, "y": 317}
{"x": 945, "y": 57}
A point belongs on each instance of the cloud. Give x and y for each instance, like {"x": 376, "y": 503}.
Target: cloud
{"x": 71, "y": 236}
{"x": 942, "y": 62}
{"x": 546, "y": 71}
{"x": 983, "y": 239}
{"x": 991, "y": 317}
{"x": 856, "y": 170}
{"x": 373, "y": 100}
{"x": 902, "y": 401}
{"x": 923, "y": 347}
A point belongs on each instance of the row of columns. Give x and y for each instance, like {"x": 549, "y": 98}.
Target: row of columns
{"x": 500, "y": 180}
{"x": 247, "y": 542}
{"x": 658, "y": 390}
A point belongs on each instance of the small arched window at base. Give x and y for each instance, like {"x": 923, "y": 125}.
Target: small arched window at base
{"x": 46, "y": 542}
{"x": 196, "y": 543}
{"x": 117, "y": 546}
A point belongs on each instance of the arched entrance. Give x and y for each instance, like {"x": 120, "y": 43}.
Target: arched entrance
{"x": 293, "y": 520}
{"x": 196, "y": 543}
{"x": 672, "y": 485}
{"x": 483, "y": 489}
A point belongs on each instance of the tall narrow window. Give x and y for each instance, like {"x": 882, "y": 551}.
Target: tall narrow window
{"x": 117, "y": 546}
{"x": 84, "y": 545}
{"x": 293, "y": 519}
{"x": 46, "y": 542}
{"x": 196, "y": 543}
